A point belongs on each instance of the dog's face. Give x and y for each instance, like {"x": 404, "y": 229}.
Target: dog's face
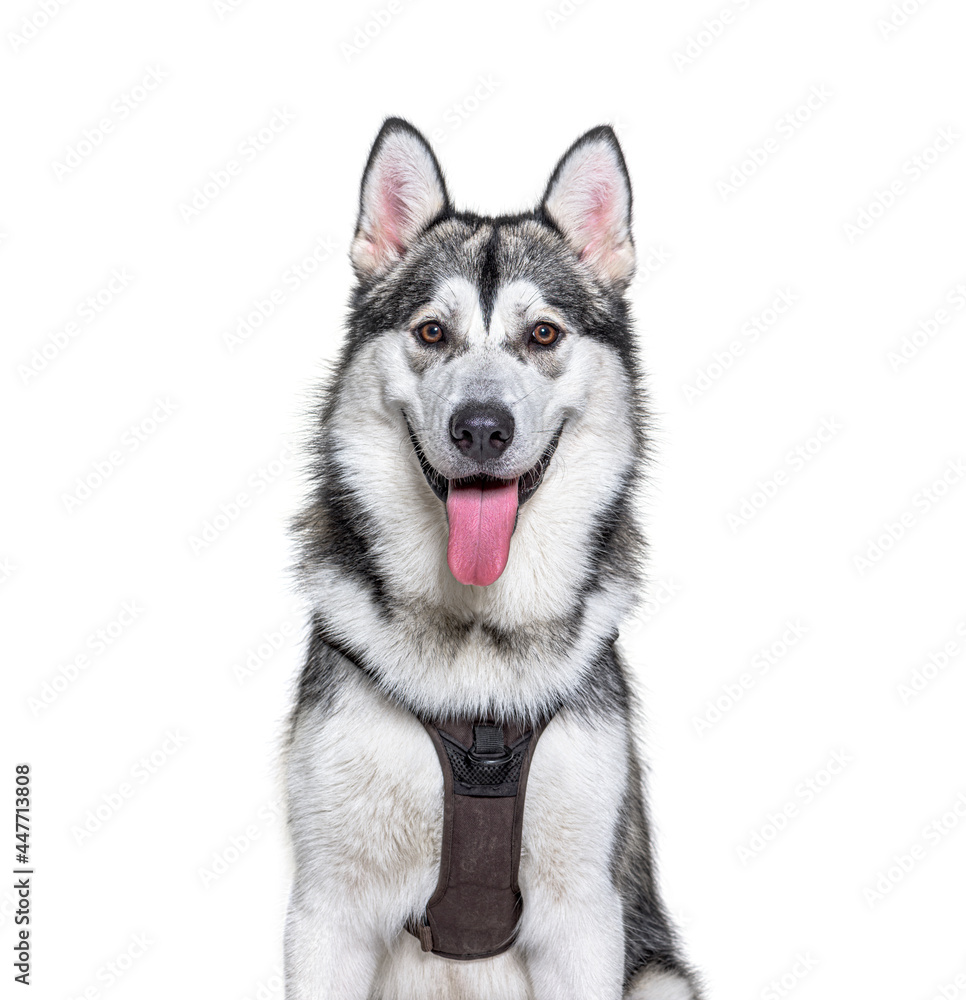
{"x": 494, "y": 350}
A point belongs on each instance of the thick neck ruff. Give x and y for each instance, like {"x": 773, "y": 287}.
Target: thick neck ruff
{"x": 438, "y": 667}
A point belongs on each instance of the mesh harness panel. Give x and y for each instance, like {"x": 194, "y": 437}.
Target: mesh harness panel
{"x": 477, "y": 904}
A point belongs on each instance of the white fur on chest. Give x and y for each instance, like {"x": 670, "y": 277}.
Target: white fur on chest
{"x": 365, "y": 800}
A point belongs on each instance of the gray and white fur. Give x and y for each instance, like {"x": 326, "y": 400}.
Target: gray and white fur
{"x": 395, "y": 636}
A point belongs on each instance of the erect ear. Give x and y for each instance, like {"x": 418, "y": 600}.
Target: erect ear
{"x": 402, "y": 192}
{"x": 589, "y": 199}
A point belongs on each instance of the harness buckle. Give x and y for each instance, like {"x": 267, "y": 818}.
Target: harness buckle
{"x": 488, "y": 746}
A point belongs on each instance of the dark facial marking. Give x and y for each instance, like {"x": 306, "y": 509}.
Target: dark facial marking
{"x": 489, "y": 278}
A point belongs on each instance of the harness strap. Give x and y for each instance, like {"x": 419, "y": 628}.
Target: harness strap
{"x": 477, "y": 903}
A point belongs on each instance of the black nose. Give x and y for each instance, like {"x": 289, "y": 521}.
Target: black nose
{"x": 482, "y": 430}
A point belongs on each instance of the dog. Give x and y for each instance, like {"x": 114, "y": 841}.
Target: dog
{"x": 468, "y": 551}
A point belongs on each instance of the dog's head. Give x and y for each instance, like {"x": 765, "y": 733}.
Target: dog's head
{"x": 492, "y": 357}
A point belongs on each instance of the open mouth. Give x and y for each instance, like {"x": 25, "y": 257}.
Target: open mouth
{"x": 526, "y": 484}
{"x": 481, "y": 512}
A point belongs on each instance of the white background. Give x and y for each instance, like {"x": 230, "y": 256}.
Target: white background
{"x": 505, "y": 88}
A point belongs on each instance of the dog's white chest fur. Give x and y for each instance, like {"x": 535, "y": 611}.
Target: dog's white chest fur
{"x": 371, "y": 778}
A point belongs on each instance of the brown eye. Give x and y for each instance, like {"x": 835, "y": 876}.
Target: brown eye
{"x": 544, "y": 334}
{"x": 430, "y": 333}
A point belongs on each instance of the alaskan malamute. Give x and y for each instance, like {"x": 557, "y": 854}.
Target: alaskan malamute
{"x": 469, "y": 551}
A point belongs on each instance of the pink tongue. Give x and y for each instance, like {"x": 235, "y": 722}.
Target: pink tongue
{"x": 481, "y": 521}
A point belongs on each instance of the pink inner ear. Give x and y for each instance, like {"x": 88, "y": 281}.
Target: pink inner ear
{"x": 392, "y": 212}
{"x": 598, "y": 216}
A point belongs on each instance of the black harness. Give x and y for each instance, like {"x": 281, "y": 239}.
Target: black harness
{"x": 477, "y": 904}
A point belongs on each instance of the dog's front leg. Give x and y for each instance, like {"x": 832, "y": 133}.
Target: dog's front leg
{"x": 329, "y": 950}
{"x": 574, "y": 940}
{"x": 572, "y": 929}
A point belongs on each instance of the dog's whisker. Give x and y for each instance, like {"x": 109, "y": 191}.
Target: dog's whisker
{"x": 527, "y": 395}
{"x": 445, "y": 399}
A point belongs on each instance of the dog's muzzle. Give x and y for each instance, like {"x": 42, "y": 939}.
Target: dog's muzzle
{"x": 482, "y": 509}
